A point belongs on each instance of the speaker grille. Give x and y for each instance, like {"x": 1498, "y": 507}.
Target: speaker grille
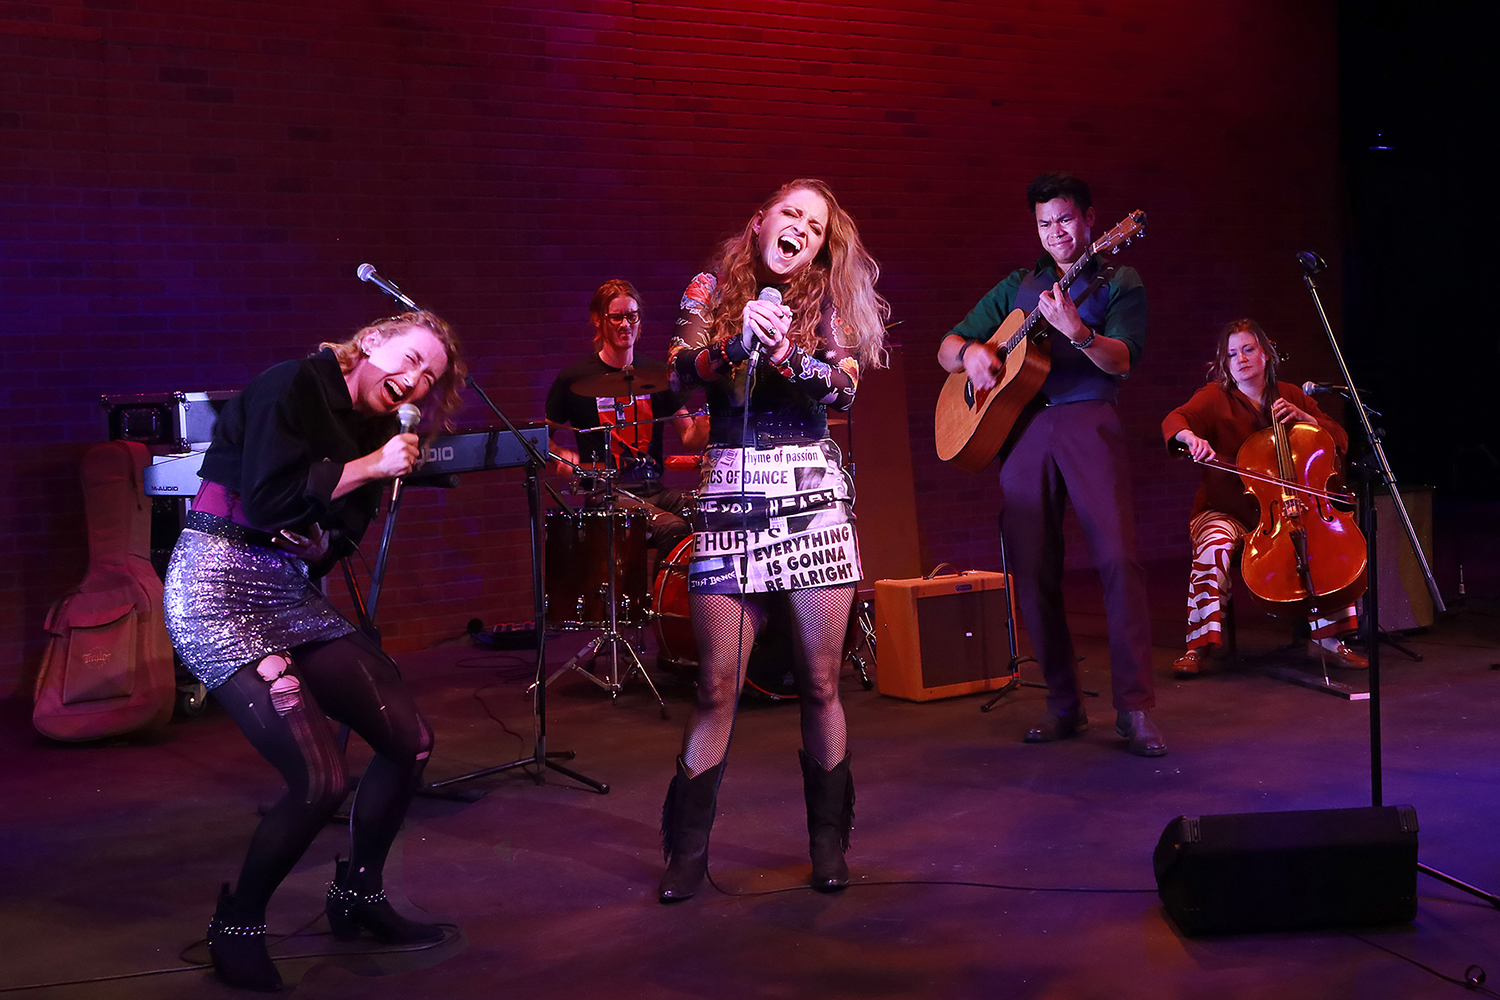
{"x": 956, "y": 642}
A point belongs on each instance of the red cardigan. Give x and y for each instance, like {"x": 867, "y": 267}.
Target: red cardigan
{"x": 1225, "y": 418}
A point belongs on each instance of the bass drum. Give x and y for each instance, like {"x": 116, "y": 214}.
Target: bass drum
{"x": 770, "y": 672}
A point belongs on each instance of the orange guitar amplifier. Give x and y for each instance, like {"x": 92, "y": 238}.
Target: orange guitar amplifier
{"x": 942, "y": 637}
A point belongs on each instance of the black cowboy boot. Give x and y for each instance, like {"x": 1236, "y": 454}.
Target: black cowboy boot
{"x": 686, "y": 817}
{"x": 350, "y": 910}
{"x": 830, "y": 816}
{"x": 239, "y": 951}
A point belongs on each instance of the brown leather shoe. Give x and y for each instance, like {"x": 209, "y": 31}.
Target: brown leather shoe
{"x": 1339, "y": 655}
{"x": 1145, "y": 739}
{"x": 1058, "y": 726}
{"x": 1189, "y": 663}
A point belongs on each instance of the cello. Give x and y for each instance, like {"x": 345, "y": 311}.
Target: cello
{"x": 1305, "y": 549}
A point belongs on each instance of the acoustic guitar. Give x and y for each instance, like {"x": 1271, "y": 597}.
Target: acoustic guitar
{"x": 970, "y": 424}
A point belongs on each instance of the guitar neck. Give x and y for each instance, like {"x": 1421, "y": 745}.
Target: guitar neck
{"x": 1034, "y": 318}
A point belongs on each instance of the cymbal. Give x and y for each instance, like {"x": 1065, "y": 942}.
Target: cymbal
{"x": 639, "y": 380}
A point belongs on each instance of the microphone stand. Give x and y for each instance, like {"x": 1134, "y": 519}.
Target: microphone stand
{"x": 377, "y": 576}
{"x": 540, "y": 758}
{"x": 1311, "y": 264}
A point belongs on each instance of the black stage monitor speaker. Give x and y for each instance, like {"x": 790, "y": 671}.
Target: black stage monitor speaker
{"x": 1284, "y": 871}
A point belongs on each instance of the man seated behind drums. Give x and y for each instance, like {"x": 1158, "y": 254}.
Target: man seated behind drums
{"x": 634, "y": 447}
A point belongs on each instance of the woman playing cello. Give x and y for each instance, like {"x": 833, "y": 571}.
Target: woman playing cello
{"x": 1243, "y": 398}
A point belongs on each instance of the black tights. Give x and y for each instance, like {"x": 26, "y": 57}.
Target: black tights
{"x": 820, "y": 619}
{"x": 352, "y": 681}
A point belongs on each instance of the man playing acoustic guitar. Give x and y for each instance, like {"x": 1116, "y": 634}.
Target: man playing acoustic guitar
{"x": 1069, "y": 444}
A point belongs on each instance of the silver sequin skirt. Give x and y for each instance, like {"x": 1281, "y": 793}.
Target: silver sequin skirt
{"x": 229, "y": 603}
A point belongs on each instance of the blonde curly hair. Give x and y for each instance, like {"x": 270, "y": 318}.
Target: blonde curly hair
{"x": 444, "y": 393}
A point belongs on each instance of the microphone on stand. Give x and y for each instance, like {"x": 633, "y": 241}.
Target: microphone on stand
{"x": 1311, "y": 262}
{"x": 1315, "y": 388}
{"x": 409, "y": 415}
{"x": 770, "y": 294}
{"x": 367, "y": 272}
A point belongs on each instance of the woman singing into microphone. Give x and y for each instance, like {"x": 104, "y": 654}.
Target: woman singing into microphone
{"x": 775, "y": 522}
{"x": 290, "y": 483}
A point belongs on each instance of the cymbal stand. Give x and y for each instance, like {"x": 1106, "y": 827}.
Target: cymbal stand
{"x": 1311, "y": 264}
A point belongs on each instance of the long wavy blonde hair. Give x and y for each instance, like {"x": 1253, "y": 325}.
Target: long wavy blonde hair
{"x": 842, "y": 276}
{"x": 444, "y": 393}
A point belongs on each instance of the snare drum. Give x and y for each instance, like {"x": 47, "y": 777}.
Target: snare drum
{"x": 770, "y": 670}
{"x": 578, "y": 568}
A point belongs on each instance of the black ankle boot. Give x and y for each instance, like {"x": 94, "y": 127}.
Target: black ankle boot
{"x": 830, "y": 816}
{"x": 349, "y": 911}
{"x": 239, "y": 951}
{"x": 686, "y": 817}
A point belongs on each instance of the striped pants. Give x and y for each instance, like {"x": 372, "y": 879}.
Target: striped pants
{"x": 1215, "y": 537}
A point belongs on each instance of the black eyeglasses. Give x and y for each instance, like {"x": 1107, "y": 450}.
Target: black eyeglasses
{"x": 633, "y": 316}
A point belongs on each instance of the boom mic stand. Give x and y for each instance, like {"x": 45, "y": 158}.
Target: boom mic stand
{"x": 541, "y": 757}
{"x": 1311, "y": 264}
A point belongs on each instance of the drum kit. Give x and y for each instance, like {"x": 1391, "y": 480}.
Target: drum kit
{"x": 597, "y": 574}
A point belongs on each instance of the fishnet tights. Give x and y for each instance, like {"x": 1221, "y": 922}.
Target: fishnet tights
{"x": 819, "y": 620}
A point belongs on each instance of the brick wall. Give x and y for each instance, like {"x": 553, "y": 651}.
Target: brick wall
{"x": 188, "y": 188}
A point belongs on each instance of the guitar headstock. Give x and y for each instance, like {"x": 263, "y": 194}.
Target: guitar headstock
{"x": 1118, "y": 238}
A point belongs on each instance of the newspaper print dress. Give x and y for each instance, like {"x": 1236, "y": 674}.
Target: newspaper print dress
{"x": 775, "y": 506}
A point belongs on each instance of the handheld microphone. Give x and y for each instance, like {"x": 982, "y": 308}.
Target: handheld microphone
{"x": 367, "y": 272}
{"x": 410, "y": 415}
{"x": 770, "y": 294}
{"x": 1311, "y": 262}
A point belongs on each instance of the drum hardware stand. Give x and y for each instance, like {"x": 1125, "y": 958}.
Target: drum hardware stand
{"x": 614, "y": 683}
{"x": 1311, "y": 264}
{"x": 861, "y": 632}
{"x": 861, "y": 621}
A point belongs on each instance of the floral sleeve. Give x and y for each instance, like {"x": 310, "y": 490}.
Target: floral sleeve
{"x": 691, "y": 358}
{"x": 830, "y": 374}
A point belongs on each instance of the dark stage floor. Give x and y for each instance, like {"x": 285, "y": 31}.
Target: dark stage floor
{"x": 983, "y": 867}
